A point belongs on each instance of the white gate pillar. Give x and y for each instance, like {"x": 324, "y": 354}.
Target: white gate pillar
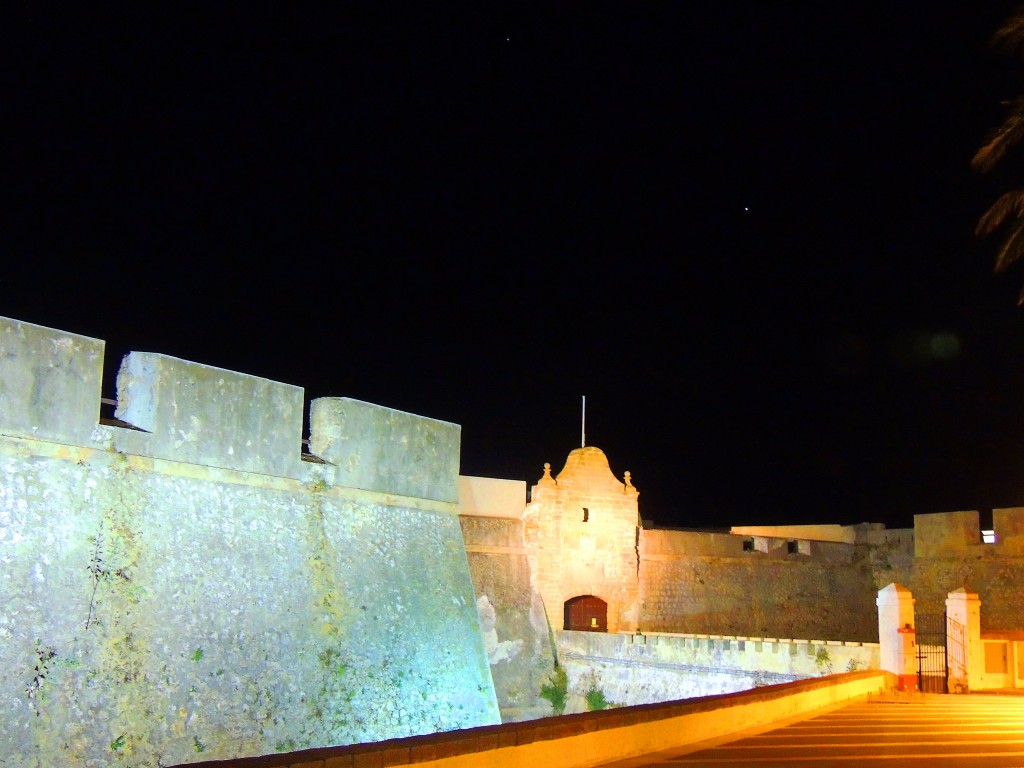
{"x": 897, "y": 638}
{"x": 965, "y": 652}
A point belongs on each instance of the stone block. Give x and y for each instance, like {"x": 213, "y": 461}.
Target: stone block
{"x": 490, "y": 497}
{"x": 943, "y": 534}
{"x": 394, "y": 756}
{"x": 507, "y": 738}
{"x": 1009, "y": 526}
{"x": 369, "y": 758}
{"x": 49, "y": 383}
{"x": 425, "y": 751}
{"x": 380, "y": 449}
{"x": 210, "y": 416}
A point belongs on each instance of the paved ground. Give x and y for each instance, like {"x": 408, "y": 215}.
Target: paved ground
{"x": 927, "y": 730}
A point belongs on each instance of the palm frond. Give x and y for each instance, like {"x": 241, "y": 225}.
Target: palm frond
{"x": 1012, "y": 248}
{"x": 1010, "y": 36}
{"x": 1004, "y": 138}
{"x": 1010, "y": 205}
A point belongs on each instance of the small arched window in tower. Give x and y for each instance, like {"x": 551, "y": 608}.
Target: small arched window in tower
{"x": 586, "y": 515}
{"x": 586, "y": 613}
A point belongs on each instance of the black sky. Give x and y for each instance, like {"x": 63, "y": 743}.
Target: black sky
{"x": 744, "y": 231}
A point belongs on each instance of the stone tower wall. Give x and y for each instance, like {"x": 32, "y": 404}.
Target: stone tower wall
{"x": 581, "y": 531}
{"x": 185, "y": 584}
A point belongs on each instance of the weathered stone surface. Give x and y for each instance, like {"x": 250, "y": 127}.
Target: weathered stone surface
{"x": 381, "y": 449}
{"x": 950, "y": 555}
{"x": 945, "y": 533}
{"x": 1009, "y": 530}
{"x": 798, "y": 596}
{"x": 49, "y": 383}
{"x": 641, "y": 669}
{"x": 155, "y": 615}
{"x": 209, "y": 416}
{"x": 514, "y": 627}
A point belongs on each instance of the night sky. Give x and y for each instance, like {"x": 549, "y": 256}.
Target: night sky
{"x": 742, "y": 230}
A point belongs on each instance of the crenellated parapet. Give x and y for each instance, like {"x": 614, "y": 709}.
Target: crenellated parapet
{"x": 49, "y": 383}
{"x": 204, "y": 415}
{"x": 182, "y": 411}
{"x": 956, "y": 534}
{"x": 380, "y": 449}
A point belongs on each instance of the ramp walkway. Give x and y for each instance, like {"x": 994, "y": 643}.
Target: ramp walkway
{"x": 933, "y": 730}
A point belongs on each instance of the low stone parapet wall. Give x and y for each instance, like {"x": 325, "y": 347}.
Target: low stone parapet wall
{"x": 633, "y": 669}
{"x": 587, "y": 739}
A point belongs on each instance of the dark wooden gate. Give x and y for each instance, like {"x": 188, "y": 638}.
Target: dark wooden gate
{"x": 586, "y": 614}
{"x": 932, "y": 662}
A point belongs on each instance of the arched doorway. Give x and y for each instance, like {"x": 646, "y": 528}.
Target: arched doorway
{"x": 586, "y": 613}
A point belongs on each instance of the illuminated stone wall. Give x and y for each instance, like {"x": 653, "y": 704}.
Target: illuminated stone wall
{"x": 581, "y": 531}
{"x": 949, "y": 554}
{"x": 515, "y": 629}
{"x": 651, "y": 667}
{"x": 195, "y": 591}
{"x": 707, "y": 583}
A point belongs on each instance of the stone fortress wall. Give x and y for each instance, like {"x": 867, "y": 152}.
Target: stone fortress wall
{"x": 517, "y": 635}
{"x": 704, "y": 601}
{"x": 183, "y": 583}
{"x": 949, "y": 554}
{"x": 648, "y": 667}
{"x": 755, "y": 586}
{"x": 178, "y": 584}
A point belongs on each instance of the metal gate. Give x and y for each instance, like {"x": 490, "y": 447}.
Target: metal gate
{"x": 932, "y": 665}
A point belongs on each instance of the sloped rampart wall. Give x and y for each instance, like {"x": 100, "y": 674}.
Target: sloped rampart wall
{"x": 192, "y": 590}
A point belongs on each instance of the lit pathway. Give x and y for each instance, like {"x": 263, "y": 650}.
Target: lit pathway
{"x": 934, "y": 731}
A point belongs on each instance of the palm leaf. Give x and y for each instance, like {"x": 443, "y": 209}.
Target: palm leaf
{"x": 1009, "y": 205}
{"x": 1012, "y": 247}
{"x": 1010, "y": 36}
{"x": 1006, "y": 136}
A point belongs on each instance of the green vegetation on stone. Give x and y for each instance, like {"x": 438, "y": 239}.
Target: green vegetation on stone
{"x": 596, "y": 700}
{"x": 823, "y": 660}
{"x": 556, "y": 689}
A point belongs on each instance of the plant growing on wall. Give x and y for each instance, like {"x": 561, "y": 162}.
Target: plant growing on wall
{"x": 97, "y": 570}
{"x": 556, "y": 689}
{"x": 823, "y": 661}
{"x": 44, "y": 655}
{"x": 596, "y": 700}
